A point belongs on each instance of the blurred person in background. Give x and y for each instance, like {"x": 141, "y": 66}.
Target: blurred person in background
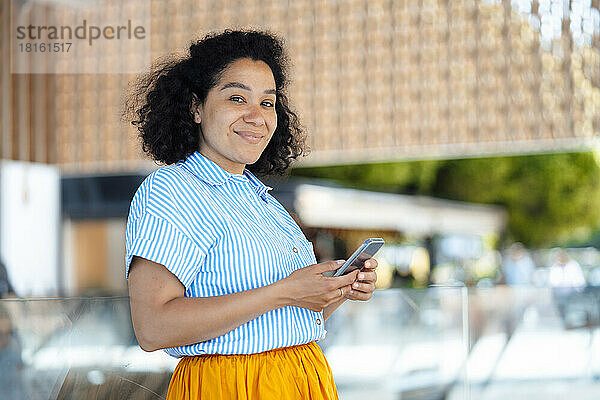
{"x": 6, "y": 289}
{"x": 517, "y": 266}
{"x": 218, "y": 271}
{"x": 566, "y": 278}
{"x": 565, "y": 272}
{"x": 518, "y": 271}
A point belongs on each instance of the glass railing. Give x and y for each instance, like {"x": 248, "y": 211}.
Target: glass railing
{"x": 409, "y": 343}
{"x": 436, "y": 343}
{"x": 76, "y": 348}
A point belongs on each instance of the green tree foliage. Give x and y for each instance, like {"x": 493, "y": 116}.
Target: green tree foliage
{"x": 550, "y": 198}
{"x": 401, "y": 177}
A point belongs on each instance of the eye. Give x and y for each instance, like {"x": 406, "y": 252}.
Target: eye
{"x": 268, "y": 103}
{"x": 237, "y": 99}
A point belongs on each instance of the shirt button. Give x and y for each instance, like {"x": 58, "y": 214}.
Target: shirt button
{"x": 295, "y": 250}
{"x": 318, "y": 321}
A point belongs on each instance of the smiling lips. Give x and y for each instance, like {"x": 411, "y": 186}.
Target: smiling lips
{"x": 250, "y": 137}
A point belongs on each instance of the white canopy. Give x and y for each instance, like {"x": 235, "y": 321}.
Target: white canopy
{"x": 322, "y": 206}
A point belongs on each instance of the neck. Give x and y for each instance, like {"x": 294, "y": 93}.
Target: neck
{"x": 232, "y": 168}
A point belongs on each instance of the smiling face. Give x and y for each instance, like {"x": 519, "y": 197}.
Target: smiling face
{"x": 238, "y": 117}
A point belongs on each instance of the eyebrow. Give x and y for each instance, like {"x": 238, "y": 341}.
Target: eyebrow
{"x": 244, "y": 87}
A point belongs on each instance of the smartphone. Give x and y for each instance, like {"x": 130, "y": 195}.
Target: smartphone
{"x": 363, "y": 253}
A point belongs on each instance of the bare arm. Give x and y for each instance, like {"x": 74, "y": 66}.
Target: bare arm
{"x": 163, "y": 317}
{"x": 327, "y": 311}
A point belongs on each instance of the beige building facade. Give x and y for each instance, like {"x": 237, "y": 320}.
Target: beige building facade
{"x": 372, "y": 80}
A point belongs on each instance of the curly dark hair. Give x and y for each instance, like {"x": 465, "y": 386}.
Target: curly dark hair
{"x": 161, "y": 100}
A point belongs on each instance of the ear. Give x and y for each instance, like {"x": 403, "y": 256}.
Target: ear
{"x": 196, "y": 109}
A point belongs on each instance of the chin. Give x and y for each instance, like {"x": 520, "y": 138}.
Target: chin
{"x": 252, "y": 162}
{"x": 251, "y": 159}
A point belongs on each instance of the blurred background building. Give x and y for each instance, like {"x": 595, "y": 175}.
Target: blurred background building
{"x": 373, "y": 81}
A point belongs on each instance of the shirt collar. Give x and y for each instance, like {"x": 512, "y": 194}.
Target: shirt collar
{"x": 214, "y": 175}
{"x": 260, "y": 188}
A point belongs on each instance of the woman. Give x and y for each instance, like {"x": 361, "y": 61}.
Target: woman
{"x": 218, "y": 271}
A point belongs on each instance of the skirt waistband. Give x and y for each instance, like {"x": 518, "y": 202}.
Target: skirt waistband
{"x": 296, "y": 372}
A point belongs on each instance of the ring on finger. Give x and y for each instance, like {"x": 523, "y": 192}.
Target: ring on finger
{"x": 341, "y": 292}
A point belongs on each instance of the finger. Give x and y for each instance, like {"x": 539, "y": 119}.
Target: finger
{"x": 370, "y": 264}
{"x": 337, "y": 293}
{"x": 328, "y": 266}
{"x": 369, "y": 276}
{"x": 346, "y": 280}
{"x": 345, "y": 290}
{"x": 363, "y": 287}
{"x": 360, "y": 296}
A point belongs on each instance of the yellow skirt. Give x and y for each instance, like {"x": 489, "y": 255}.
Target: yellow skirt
{"x": 297, "y": 372}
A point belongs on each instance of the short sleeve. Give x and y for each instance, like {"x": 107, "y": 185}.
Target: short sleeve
{"x": 158, "y": 240}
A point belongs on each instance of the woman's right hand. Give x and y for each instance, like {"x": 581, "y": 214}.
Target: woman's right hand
{"x": 308, "y": 288}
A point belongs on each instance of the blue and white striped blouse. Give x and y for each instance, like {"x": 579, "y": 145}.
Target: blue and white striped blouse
{"x": 222, "y": 233}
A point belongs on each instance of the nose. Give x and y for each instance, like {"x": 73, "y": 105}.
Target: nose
{"x": 254, "y": 115}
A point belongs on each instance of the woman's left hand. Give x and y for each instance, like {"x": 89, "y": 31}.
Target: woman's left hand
{"x": 364, "y": 285}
